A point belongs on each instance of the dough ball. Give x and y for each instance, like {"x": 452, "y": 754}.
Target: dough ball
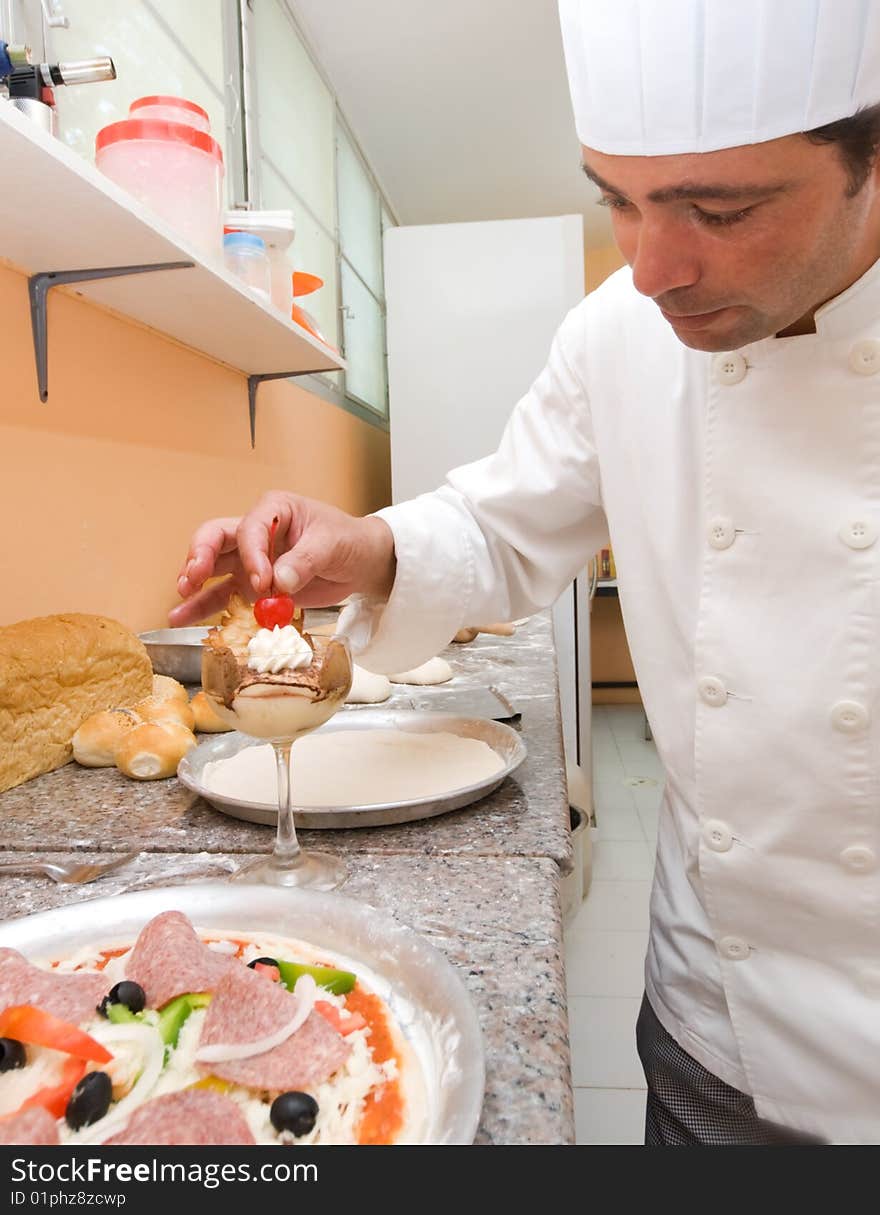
{"x": 166, "y": 688}
{"x": 97, "y": 740}
{"x": 152, "y": 750}
{"x": 154, "y": 708}
{"x": 435, "y": 670}
{"x": 367, "y": 688}
{"x": 207, "y": 721}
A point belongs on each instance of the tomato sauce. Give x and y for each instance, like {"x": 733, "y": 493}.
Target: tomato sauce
{"x": 383, "y": 1112}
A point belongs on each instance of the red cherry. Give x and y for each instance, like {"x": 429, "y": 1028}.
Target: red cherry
{"x": 274, "y": 610}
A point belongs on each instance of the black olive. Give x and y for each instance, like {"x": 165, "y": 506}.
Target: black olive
{"x": 294, "y": 1112}
{"x": 11, "y": 1054}
{"x": 132, "y": 995}
{"x": 89, "y": 1101}
{"x": 263, "y": 962}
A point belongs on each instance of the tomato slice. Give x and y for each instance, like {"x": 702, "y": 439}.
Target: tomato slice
{"x": 33, "y": 1025}
{"x": 268, "y": 972}
{"x": 55, "y": 1098}
{"x": 344, "y": 1023}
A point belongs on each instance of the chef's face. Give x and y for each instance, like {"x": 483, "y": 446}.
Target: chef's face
{"x": 741, "y": 244}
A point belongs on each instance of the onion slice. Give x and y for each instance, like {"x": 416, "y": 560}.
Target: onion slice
{"x": 148, "y": 1037}
{"x": 305, "y": 990}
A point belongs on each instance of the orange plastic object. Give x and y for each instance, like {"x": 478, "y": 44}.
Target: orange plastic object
{"x": 305, "y": 284}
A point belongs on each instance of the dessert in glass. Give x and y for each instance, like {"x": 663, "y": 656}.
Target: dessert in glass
{"x": 269, "y": 679}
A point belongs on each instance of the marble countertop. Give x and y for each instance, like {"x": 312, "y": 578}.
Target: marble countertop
{"x": 527, "y": 815}
{"x": 497, "y": 921}
{"x": 482, "y": 883}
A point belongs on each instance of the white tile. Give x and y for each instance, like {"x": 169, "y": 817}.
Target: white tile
{"x": 616, "y": 907}
{"x": 622, "y": 861}
{"x": 604, "y": 963}
{"x": 603, "y": 1042}
{"x": 609, "y": 1116}
{"x": 640, "y": 759}
{"x": 627, "y": 722}
{"x": 618, "y": 821}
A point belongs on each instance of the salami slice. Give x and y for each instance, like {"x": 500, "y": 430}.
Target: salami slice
{"x": 246, "y": 1007}
{"x": 33, "y": 1128}
{"x": 194, "y": 1117}
{"x": 168, "y": 959}
{"x": 72, "y": 997}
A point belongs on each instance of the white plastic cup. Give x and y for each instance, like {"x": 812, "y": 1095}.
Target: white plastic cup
{"x": 174, "y": 169}
{"x": 245, "y": 255}
{"x": 171, "y": 109}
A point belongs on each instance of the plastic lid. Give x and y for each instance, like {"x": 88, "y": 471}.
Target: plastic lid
{"x": 243, "y": 239}
{"x": 155, "y": 129}
{"x": 305, "y": 284}
{"x": 180, "y": 102}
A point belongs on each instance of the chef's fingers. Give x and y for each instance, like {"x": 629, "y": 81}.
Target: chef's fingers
{"x": 209, "y": 542}
{"x": 254, "y": 532}
{"x": 202, "y": 604}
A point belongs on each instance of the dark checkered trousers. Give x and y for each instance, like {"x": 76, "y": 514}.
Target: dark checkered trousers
{"x": 688, "y": 1105}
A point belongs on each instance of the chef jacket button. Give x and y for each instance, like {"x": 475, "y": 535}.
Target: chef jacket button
{"x": 858, "y": 533}
{"x": 859, "y": 858}
{"x": 712, "y": 691}
{"x": 722, "y": 533}
{"x": 849, "y": 716}
{"x": 731, "y": 368}
{"x": 733, "y": 948}
{"x": 864, "y": 357}
{"x": 717, "y": 835}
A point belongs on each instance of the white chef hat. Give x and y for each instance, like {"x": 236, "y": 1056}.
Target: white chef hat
{"x": 652, "y": 77}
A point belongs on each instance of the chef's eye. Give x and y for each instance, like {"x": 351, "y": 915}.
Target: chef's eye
{"x": 614, "y": 201}
{"x": 720, "y": 219}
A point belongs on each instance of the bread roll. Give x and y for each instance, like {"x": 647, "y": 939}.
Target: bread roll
{"x": 155, "y": 708}
{"x": 97, "y": 740}
{"x": 166, "y": 688}
{"x": 207, "y": 721}
{"x": 55, "y": 672}
{"x": 152, "y": 750}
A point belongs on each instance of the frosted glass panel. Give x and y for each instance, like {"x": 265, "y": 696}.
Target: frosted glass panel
{"x": 158, "y": 46}
{"x": 360, "y": 225}
{"x": 312, "y": 250}
{"x": 294, "y": 111}
{"x": 364, "y": 329}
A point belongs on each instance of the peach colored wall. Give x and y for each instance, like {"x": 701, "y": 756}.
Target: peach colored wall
{"x": 599, "y": 263}
{"x": 140, "y": 441}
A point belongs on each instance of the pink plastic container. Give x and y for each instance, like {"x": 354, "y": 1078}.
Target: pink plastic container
{"x": 174, "y": 169}
{"x": 171, "y": 109}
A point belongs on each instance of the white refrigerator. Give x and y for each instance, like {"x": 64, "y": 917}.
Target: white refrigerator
{"x": 472, "y": 310}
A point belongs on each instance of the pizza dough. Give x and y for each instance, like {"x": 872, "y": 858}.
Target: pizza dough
{"x": 357, "y": 768}
{"x": 435, "y": 670}
{"x": 367, "y": 688}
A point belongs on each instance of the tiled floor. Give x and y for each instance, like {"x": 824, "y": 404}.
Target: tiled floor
{"x": 605, "y": 942}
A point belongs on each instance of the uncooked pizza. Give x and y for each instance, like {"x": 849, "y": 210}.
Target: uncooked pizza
{"x": 200, "y": 1038}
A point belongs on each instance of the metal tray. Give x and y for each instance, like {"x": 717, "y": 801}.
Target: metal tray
{"x": 502, "y": 739}
{"x": 425, "y": 993}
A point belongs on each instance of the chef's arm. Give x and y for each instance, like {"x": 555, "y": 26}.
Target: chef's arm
{"x": 504, "y": 536}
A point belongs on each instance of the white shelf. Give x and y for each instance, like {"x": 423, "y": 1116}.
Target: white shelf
{"x": 59, "y": 213}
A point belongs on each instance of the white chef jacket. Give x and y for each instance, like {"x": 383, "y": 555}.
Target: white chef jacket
{"x": 742, "y": 496}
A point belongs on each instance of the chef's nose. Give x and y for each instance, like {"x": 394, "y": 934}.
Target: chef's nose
{"x": 664, "y": 259}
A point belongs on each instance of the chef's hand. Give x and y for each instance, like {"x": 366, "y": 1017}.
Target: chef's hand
{"x": 322, "y": 555}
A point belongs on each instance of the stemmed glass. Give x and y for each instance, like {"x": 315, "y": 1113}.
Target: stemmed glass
{"x": 281, "y": 716}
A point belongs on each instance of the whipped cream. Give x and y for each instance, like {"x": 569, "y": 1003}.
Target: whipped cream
{"x": 273, "y": 650}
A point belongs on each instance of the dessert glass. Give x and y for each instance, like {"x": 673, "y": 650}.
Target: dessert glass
{"x": 281, "y": 713}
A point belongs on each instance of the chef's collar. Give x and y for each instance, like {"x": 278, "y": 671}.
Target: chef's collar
{"x": 856, "y": 308}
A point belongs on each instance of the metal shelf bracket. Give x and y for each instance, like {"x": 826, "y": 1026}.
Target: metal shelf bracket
{"x": 254, "y": 381}
{"x": 39, "y": 286}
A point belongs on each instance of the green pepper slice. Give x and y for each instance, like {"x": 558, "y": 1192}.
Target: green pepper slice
{"x": 336, "y": 981}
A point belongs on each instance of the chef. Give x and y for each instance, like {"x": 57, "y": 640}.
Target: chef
{"x": 714, "y": 410}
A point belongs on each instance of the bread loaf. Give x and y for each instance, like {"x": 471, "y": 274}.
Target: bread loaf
{"x": 54, "y": 673}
